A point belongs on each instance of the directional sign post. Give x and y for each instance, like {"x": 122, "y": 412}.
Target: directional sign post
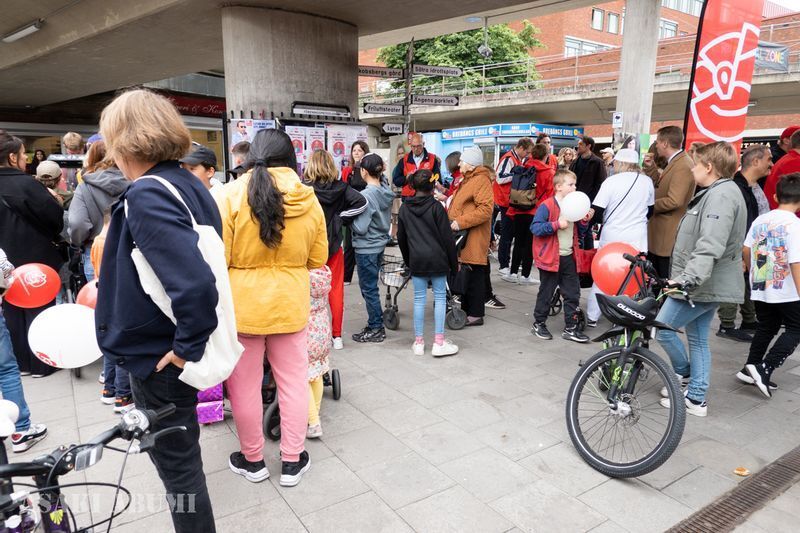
{"x": 380, "y": 72}
{"x": 393, "y": 127}
{"x": 434, "y": 99}
{"x": 385, "y": 109}
{"x": 431, "y": 70}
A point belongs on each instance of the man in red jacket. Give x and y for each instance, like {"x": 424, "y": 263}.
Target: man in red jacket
{"x": 785, "y": 165}
{"x": 418, "y": 159}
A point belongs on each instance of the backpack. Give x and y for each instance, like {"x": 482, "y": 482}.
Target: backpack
{"x": 523, "y": 188}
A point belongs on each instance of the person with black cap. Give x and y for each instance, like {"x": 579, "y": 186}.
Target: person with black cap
{"x": 202, "y": 162}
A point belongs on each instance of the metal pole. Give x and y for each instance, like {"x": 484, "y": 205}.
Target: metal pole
{"x": 409, "y": 67}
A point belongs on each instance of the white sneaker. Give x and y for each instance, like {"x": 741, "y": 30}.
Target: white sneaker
{"x": 337, "y": 343}
{"x": 418, "y": 348}
{"x": 23, "y": 440}
{"x": 444, "y": 349}
{"x": 511, "y": 278}
{"x": 504, "y": 271}
{"x": 314, "y": 432}
{"x": 691, "y": 407}
{"x": 683, "y": 381}
{"x": 530, "y": 280}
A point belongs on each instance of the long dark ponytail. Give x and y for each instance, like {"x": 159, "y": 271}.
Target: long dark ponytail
{"x": 270, "y": 148}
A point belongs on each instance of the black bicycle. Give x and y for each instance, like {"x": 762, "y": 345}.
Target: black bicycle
{"x": 51, "y": 513}
{"x": 614, "y": 416}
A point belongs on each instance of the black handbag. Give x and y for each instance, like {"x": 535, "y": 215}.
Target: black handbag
{"x": 460, "y": 237}
{"x": 459, "y": 281}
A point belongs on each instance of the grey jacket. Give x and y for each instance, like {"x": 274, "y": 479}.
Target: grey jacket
{"x": 371, "y": 228}
{"x": 98, "y": 191}
{"x": 708, "y": 246}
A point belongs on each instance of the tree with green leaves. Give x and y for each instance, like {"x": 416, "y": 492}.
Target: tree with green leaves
{"x": 461, "y": 50}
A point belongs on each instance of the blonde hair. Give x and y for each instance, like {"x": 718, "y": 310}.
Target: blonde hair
{"x": 720, "y": 155}
{"x": 622, "y": 166}
{"x": 96, "y": 158}
{"x": 562, "y": 175}
{"x": 72, "y": 141}
{"x": 321, "y": 167}
{"x": 141, "y": 125}
{"x": 563, "y": 152}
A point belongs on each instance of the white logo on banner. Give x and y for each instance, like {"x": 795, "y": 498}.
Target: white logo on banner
{"x": 724, "y": 82}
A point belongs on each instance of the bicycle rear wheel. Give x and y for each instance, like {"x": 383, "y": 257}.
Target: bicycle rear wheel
{"x": 638, "y": 435}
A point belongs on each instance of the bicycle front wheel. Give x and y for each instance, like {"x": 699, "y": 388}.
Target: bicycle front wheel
{"x": 634, "y": 434}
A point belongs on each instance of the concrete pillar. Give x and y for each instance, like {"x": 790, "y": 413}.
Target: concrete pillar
{"x": 275, "y": 57}
{"x": 638, "y": 64}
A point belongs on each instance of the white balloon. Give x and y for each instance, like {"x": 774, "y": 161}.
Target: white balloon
{"x": 9, "y": 413}
{"x": 63, "y": 336}
{"x": 574, "y": 206}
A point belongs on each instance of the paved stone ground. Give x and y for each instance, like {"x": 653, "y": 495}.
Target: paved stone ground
{"x": 475, "y": 442}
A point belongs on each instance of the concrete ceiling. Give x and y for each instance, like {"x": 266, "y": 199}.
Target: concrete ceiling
{"x": 90, "y": 46}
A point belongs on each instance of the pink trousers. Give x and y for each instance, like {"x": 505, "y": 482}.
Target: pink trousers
{"x": 288, "y": 357}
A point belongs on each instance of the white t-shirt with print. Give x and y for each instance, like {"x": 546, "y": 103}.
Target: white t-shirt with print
{"x": 774, "y": 242}
{"x": 628, "y": 222}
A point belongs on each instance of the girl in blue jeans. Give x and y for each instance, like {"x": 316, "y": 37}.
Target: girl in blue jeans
{"x": 429, "y": 251}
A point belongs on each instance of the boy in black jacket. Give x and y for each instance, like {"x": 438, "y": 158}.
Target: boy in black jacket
{"x": 429, "y": 251}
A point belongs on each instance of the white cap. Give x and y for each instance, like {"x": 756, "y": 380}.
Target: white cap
{"x": 627, "y": 155}
{"x": 607, "y": 150}
{"x": 472, "y": 156}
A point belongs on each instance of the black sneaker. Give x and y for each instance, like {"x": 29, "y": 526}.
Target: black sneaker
{"x": 252, "y": 471}
{"x": 760, "y": 374}
{"x": 591, "y": 323}
{"x": 23, "y": 440}
{"x": 734, "y": 334}
{"x": 744, "y": 377}
{"x": 748, "y": 327}
{"x": 572, "y": 334}
{"x": 495, "y": 303}
{"x": 292, "y": 472}
{"x": 541, "y": 331}
{"x": 370, "y": 335}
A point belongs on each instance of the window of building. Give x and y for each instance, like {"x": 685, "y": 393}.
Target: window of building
{"x": 667, "y": 29}
{"x": 613, "y": 23}
{"x": 577, "y": 47}
{"x": 597, "y": 19}
{"x": 691, "y": 7}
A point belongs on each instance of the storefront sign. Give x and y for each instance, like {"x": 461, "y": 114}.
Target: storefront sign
{"x": 556, "y": 131}
{"x": 515, "y": 130}
{"x": 197, "y": 106}
{"x": 466, "y": 133}
{"x": 510, "y": 130}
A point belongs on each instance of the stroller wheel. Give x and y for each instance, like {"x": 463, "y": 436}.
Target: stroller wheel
{"x": 456, "y": 318}
{"x": 581, "y": 320}
{"x": 337, "y": 384}
{"x": 272, "y": 421}
{"x": 390, "y": 318}
{"x": 556, "y": 304}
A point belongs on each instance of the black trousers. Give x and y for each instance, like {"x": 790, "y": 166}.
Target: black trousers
{"x": 177, "y": 455}
{"x": 661, "y": 264}
{"x": 523, "y": 241}
{"x": 487, "y": 282}
{"x": 18, "y": 321}
{"x": 473, "y": 301}
{"x": 349, "y": 256}
{"x": 770, "y": 319}
{"x": 506, "y": 238}
{"x": 567, "y": 279}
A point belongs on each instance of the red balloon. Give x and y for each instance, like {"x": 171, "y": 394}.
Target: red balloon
{"x": 88, "y": 295}
{"x": 33, "y": 285}
{"x": 609, "y": 268}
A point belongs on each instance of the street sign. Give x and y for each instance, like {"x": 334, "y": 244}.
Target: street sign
{"x": 433, "y": 99}
{"x": 393, "y": 127}
{"x": 431, "y": 70}
{"x": 385, "y": 109}
{"x": 616, "y": 120}
{"x": 380, "y": 72}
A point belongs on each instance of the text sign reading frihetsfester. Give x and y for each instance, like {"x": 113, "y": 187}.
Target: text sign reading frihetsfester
{"x": 384, "y": 109}
{"x": 432, "y": 70}
{"x": 434, "y": 99}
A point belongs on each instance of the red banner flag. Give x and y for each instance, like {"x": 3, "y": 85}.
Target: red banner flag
{"x": 724, "y": 59}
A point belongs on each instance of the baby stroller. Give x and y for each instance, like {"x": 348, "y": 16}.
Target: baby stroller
{"x": 395, "y": 275}
{"x": 271, "y": 422}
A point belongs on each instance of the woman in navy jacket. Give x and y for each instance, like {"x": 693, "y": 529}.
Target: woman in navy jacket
{"x": 145, "y": 135}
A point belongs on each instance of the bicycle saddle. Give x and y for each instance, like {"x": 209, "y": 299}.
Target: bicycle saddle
{"x": 627, "y": 312}
{"x": 9, "y": 413}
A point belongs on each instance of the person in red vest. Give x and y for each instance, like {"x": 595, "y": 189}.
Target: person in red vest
{"x": 786, "y": 165}
{"x": 552, "y": 160}
{"x": 502, "y": 188}
{"x": 419, "y": 158}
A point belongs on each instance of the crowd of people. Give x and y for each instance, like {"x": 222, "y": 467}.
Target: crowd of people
{"x": 291, "y": 243}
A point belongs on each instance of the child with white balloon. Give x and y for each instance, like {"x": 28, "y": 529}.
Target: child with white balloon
{"x": 555, "y": 238}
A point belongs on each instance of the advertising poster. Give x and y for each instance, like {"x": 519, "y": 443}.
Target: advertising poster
{"x": 635, "y": 141}
{"x": 298, "y": 136}
{"x": 338, "y": 145}
{"x": 724, "y": 60}
{"x": 315, "y": 139}
{"x": 244, "y": 129}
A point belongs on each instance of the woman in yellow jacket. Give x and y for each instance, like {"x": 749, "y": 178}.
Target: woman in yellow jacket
{"x": 274, "y": 233}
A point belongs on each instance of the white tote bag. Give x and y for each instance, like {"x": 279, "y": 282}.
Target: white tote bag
{"x": 222, "y": 349}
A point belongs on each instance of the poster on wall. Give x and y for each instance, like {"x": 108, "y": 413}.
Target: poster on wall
{"x": 315, "y": 139}
{"x": 724, "y": 60}
{"x": 298, "y": 136}
{"x": 640, "y": 142}
{"x": 244, "y": 129}
{"x": 340, "y": 139}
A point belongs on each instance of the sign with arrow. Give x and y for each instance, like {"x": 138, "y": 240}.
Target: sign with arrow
{"x": 385, "y": 109}
{"x": 393, "y": 127}
{"x": 380, "y": 72}
{"x": 431, "y": 70}
{"x": 434, "y": 99}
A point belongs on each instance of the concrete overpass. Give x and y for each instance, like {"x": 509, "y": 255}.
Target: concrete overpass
{"x": 87, "y": 47}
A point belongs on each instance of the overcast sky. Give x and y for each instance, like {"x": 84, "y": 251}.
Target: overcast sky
{"x": 794, "y": 4}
